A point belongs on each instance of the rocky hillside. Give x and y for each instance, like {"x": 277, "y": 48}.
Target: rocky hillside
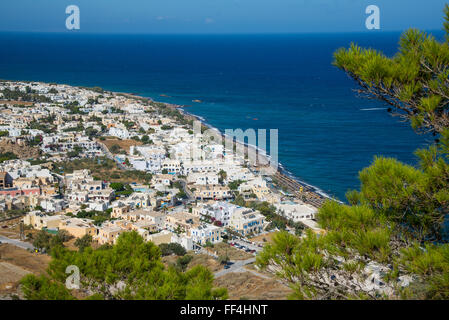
{"x": 20, "y": 149}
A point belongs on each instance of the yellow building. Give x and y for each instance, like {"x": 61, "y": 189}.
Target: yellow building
{"x": 119, "y": 211}
{"x": 161, "y": 237}
{"x": 109, "y": 235}
{"x": 78, "y": 227}
{"x": 262, "y": 193}
{"x": 182, "y": 220}
{"x": 38, "y": 220}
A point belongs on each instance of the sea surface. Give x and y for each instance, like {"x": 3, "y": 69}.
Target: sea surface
{"x": 285, "y": 82}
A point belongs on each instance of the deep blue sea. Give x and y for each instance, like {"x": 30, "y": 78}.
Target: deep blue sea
{"x": 285, "y": 82}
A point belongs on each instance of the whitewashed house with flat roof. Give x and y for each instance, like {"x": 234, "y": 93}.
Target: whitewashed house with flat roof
{"x": 199, "y": 166}
{"x": 296, "y": 211}
{"x": 219, "y": 211}
{"x": 52, "y": 204}
{"x": 238, "y": 173}
{"x": 202, "y": 178}
{"x": 213, "y": 151}
{"x": 121, "y": 133}
{"x": 206, "y": 233}
{"x": 149, "y": 165}
{"x": 172, "y": 166}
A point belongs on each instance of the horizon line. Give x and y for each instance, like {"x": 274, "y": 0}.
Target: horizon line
{"x": 217, "y": 33}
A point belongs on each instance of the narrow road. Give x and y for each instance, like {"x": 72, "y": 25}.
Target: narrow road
{"x": 17, "y": 243}
{"x": 237, "y": 266}
{"x": 261, "y": 275}
{"x": 248, "y": 245}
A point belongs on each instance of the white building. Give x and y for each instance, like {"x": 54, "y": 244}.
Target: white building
{"x": 219, "y": 211}
{"x": 206, "y": 233}
{"x": 121, "y": 133}
{"x": 296, "y": 211}
{"x": 245, "y": 221}
{"x": 52, "y": 205}
{"x": 172, "y": 166}
{"x": 202, "y": 178}
{"x": 149, "y": 165}
{"x": 199, "y": 166}
{"x": 183, "y": 240}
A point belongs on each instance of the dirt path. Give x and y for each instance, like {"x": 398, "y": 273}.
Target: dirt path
{"x": 16, "y": 263}
{"x": 246, "y": 285}
{"x": 11, "y": 273}
{"x": 17, "y": 243}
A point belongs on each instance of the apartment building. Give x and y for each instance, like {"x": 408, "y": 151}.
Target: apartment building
{"x": 180, "y": 220}
{"x": 211, "y": 192}
{"x": 78, "y": 227}
{"x": 205, "y": 233}
{"x": 218, "y": 211}
{"x": 246, "y": 221}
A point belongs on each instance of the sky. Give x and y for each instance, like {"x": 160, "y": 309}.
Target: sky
{"x": 219, "y": 16}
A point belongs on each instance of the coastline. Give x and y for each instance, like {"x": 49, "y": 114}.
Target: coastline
{"x": 284, "y": 178}
{"x": 311, "y": 194}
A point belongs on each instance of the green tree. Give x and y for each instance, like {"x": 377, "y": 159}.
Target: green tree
{"x": 42, "y": 288}
{"x": 183, "y": 262}
{"x": 414, "y": 82}
{"x": 172, "y": 248}
{"x": 239, "y": 201}
{"x": 64, "y": 235}
{"x": 224, "y": 259}
{"x": 117, "y": 186}
{"x": 145, "y": 139}
{"x": 396, "y": 219}
{"x": 181, "y": 194}
{"x": 7, "y": 156}
{"x": 235, "y": 184}
{"x": 83, "y": 242}
{"x": 130, "y": 269}
{"x": 115, "y": 148}
{"x": 208, "y": 244}
{"x": 42, "y": 240}
{"x": 222, "y": 175}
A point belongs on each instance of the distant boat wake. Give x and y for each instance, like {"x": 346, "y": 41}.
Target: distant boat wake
{"x": 372, "y": 109}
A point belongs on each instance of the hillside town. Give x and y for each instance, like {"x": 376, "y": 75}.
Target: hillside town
{"x": 106, "y": 163}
